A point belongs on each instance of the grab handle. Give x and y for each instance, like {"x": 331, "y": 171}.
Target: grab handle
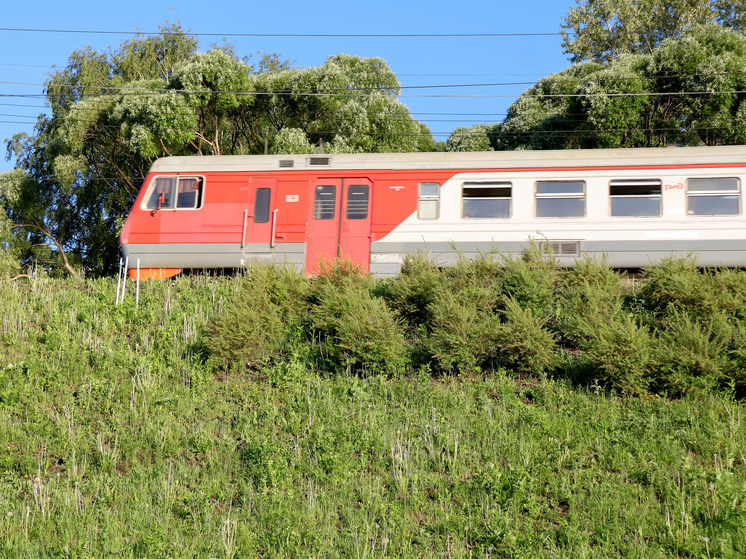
{"x": 243, "y": 231}
{"x": 274, "y": 226}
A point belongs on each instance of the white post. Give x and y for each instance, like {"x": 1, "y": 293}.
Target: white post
{"x": 124, "y": 277}
{"x": 137, "y": 292}
{"x": 119, "y": 282}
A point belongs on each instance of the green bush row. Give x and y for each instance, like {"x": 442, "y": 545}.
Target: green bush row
{"x": 676, "y": 329}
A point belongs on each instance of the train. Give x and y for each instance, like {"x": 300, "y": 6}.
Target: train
{"x": 633, "y": 207}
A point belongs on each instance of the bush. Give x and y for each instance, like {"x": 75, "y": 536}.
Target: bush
{"x": 735, "y": 377}
{"x": 463, "y": 325}
{"x": 357, "y": 331}
{"x": 684, "y": 329}
{"x": 621, "y": 350}
{"x": 591, "y": 273}
{"x": 258, "y": 318}
{"x": 531, "y": 280}
{"x": 587, "y": 293}
{"x": 414, "y": 290}
{"x": 691, "y": 352}
{"x": 522, "y": 343}
{"x": 705, "y": 292}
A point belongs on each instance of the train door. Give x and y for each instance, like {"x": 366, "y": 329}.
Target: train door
{"x": 260, "y": 215}
{"x": 339, "y": 226}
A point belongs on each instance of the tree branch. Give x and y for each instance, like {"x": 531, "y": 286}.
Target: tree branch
{"x": 55, "y": 242}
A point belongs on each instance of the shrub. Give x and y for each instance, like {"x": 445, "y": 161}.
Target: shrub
{"x": 338, "y": 273}
{"x": 531, "y": 279}
{"x": 590, "y": 292}
{"x": 485, "y": 272}
{"x": 522, "y": 342}
{"x": 621, "y": 350}
{"x": 358, "y": 332}
{"x": 735, "y": 375}
{"x": 592, "y": 273}
{"x": 674, "y": 280}
{"x": 691, "y": 352}
{"x": 463, "y": 324}
{"x": 706, "y": 292}
{"x": 257, "y": 319}
{"x": 414, "y": 290}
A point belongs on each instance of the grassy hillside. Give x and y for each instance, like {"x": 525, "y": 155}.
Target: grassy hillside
{"x": 127, "y": 431}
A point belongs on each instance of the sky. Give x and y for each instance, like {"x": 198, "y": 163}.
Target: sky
{"x": 477, "y": 77}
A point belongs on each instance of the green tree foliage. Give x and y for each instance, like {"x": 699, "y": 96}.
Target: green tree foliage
{"x": 347, "y": 105}
{"x": 113, "y": 113}
{"x": 474, "y": 138}
{"x": 84, "y": 164}
{"x": 9, "y": 263}
{"x": 600, "y": 30}
{"x": 684, "y": 92}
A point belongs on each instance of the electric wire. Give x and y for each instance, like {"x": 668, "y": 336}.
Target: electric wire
{"x": 285, "y": 35}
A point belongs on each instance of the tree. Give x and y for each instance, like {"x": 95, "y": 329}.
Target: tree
{"x": 474, "y": 138}
{"x": 600, "y": 30}
{"x": 214, "y": 85}
{"x": 81, "y": 173}
{"x": 687, "y": 91}
{"x": 22, "y": 233}
{"x": 549, "y": 115}
{"x": 348, "y": 104}
{"x": 9, "y": 261}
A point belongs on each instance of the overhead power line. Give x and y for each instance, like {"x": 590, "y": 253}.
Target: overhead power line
{"x": 362, "y": 91}
{"x": 286, "y": 35}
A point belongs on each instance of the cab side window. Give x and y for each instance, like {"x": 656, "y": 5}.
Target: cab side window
{"x": 169, "y": 193}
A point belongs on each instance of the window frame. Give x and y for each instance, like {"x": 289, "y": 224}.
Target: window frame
{"x": 635, "y": 196}
{"x": 176, "y": 180}
{"x": 721, "y": 193}
{"x": 425, "y": 198}
{"x": 266, "y": 204}
{"x": 357, "y": 216}
{"x": 487, "y": 185}
{"x": 542, "y": 196}
{"x": 320, "y": 213}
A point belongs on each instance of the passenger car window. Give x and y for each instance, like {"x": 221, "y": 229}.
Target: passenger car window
{"x": 261, "y": 205}
{"x": 560, "y": 199}
{"x": 713, "y": 196}
{"x": 635, "y": 198}
{"x": 486, "y": 200}
{"x": 325, "y": 202}
{"x": 357, "y": 201}
{"x": 428, "y": 200}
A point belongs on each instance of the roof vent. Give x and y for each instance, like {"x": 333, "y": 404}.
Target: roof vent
{"x": 285, "y": 163}
{"x": 318, "y": 161}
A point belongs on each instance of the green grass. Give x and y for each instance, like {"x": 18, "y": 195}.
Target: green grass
{"x": 119, "y": 438}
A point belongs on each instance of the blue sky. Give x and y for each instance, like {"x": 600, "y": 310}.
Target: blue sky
{"x": 518, "y": 61}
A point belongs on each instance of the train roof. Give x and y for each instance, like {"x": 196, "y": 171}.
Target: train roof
{"x": 622, "y": 157}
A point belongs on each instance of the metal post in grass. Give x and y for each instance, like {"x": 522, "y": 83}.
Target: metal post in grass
{"x": 124, "y": 277}
{"x": 119, "y": 281}
{"x": 137, "y": 290}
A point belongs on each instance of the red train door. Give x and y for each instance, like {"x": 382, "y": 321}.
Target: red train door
{"x": 259, "y": 216}
{"x": 339, "y": 226}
